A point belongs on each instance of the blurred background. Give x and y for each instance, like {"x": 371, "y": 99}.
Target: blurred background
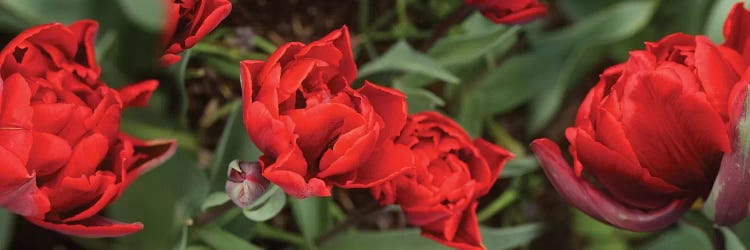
{"x": 508, "y": 84}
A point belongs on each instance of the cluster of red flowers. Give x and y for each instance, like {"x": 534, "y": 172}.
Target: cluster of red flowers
{"x": 316, "y": 132}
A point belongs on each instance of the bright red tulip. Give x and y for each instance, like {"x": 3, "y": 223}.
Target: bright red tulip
{"x": 63, "y": 158}
{"x": 188, "y": 21}
{"x": 315, "y": 130}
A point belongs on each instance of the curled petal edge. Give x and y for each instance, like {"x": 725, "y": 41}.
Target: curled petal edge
{"x": 582, "y": 195}
{"x": 94, "y": 227}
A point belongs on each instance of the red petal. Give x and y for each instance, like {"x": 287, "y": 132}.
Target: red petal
{"x": 388, "y": 161}
{"x": 662, "y": 120}
{"x": 86, "y": 156}
{"x": 390, "y": 104}
{"x": 138, "y": 94}
{"x": 49, "y": 152}
{"x": 467, "y": 236}
{"x": 736, "y": 30}
{"x": 579, "y": 193}
{"x": 150, "y": 154}
{"x": 496, "y": 158}
{"x": 716, "y": 73}
{"x": 94, "y": 227}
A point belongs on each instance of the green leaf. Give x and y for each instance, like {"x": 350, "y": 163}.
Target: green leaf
{"x": 715, "y": 23}
{"x": 585, "y": 39}
{"x": 519, "y": 166}
{"x": 403, "y": 58}
{"x": 399, "y": 239}
{"x": 312, "y": 217}
{"x": 685, "y": 237}
{"x": 462, "y": 49}
{"x": 267, "y": 206}
{"x": 234, "y": 143}
{"x": 7, "y": 220}
{"x": 731, "y": 242}
{"x": 219, "y": 239}
{"x": 512, "y": 237}
{"x": 164, "y": 199}
{"x": 148, "y": 14}
{"x": 35, "y": 12}
{"x": 578, "y": 9}
{"x": 420, "y": 99}
{"x": 510, "y": 85}
{"x": 410, "y": 239}
{"x": 215, "y": 199}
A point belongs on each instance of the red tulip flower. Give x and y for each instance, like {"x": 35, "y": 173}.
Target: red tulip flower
{"x": 188, "y": 21}
{"x": 62, "y": 156}
{"x": 451, "y": 172}
{"x": 314, "y": 130}
{"x": 652, "y": 133}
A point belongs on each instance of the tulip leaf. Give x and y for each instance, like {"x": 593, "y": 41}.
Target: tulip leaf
{"x": 420, "y": 99}
{"x": 312, "y": 217}
{"x": 409, "y": 239}
{"x": 685, "y": 237}
{"x": 148, "y": 14}
{"x": 519, "y": 166}
{"x": 7, "y": 220}
{"x": 461, "y": 52}
{"x": 164, "y": 199}
{"x": 731, "y": 241}
{"x": 460, "y": 49}
{"x": 215, "y": 199}
{"x": 219, "y": 239}
{"x": 611, "y": 24}
{"x": 234, "y": 143}
{"x": 267, "y": 206}
{"x": 402, "y": 57}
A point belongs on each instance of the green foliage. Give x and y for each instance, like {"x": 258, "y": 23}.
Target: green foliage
{"x": 6, "y": 228}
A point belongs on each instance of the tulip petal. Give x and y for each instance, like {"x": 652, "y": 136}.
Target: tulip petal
{"x": 662, "y": 120}
{"x": 138, "y": 94}
{"x": 582, "y": 195}
{"x": 728, "y": 202}
{"x": 94, "y": 227}
{"x": 737, "y": 30}
{"x": 390, "y": 104}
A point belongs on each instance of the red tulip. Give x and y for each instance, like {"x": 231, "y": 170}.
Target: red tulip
{"x": 315, "y": 130}
{"x": 451, "y": 173}
{"x": 510, "y": 11}
{"x": 63, "y": 157}
{"x": 188, "y": 21}
{"x": 652, "y": 133}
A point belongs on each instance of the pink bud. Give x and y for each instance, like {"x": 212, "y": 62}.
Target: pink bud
{"x": 245, "y": 183}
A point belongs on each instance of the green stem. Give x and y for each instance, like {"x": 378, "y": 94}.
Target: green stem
{"x": 498, "y": 204}
{"x": 264, "y": 44}
{"x": 270, "y": 232}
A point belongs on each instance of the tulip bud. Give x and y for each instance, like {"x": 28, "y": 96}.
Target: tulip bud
{"x": 245, "y": 183}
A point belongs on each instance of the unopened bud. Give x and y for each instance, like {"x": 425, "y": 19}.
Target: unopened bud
{"x": 245, "y": 183}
